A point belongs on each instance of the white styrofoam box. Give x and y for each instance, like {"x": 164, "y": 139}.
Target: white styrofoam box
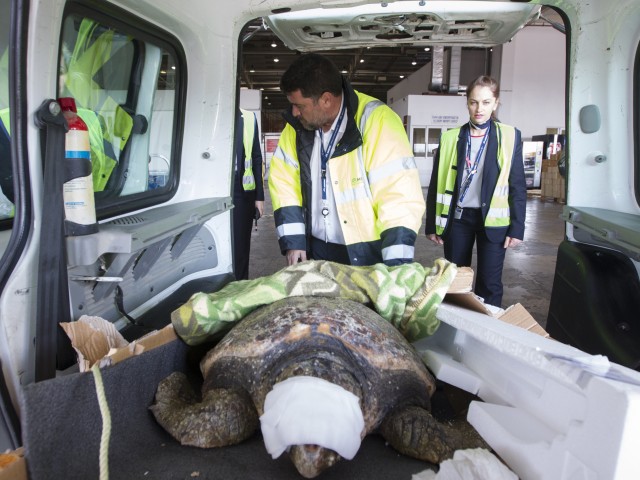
{"x": 550, "y": 411}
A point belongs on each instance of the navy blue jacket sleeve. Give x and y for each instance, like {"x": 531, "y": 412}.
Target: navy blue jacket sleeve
{"x": 517, "y": 191}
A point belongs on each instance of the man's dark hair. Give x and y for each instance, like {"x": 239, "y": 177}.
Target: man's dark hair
{"x": 312, "y": 74}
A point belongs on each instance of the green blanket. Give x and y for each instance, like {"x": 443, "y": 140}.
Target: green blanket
{"x": 405, "y": 295}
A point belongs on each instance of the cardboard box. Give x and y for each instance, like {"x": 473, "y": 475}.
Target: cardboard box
{"x": 13, "y": 466}
{"x": 460, "y": 294}
{"x": 96, "y": 340}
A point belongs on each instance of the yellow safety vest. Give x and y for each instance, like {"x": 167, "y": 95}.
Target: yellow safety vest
{"x": 499, "y": 214}
{"x": 7, "y": 208}
{"x": 376, "y": 185}
{"x": 248, "y": 132}
{"x": 108, "y": 123}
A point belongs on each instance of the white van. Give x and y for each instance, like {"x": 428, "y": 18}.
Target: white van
{"x": 156, "y": 83}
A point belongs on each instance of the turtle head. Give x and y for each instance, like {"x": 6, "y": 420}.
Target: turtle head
{"x": 311, "y": 460}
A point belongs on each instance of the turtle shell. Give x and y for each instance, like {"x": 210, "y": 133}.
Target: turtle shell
{"x": 335, "y": 339}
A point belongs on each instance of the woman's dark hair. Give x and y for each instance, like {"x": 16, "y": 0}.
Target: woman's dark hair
{"x": 313, "y": 75}
{"x": 485, "y": 81}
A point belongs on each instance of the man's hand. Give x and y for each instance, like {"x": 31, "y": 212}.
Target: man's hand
{"x": 295, "y": 256}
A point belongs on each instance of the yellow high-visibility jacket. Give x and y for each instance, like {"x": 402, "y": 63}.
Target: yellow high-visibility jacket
{"x": 374, "y": 178}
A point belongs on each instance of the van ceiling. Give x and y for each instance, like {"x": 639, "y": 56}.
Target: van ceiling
{"x": 379, "y": 46}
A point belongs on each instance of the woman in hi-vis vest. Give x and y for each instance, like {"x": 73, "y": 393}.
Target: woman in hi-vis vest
{"x": 477, "y": 192}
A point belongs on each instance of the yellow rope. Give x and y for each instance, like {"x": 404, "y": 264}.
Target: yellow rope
{"x": 106, "y": 423}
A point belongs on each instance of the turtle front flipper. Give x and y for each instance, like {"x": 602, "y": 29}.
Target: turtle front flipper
{"x": 413, "y": 431}
{"x": 223, "y": 417}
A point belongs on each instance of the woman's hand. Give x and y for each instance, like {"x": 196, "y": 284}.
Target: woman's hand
{"x": 510, "y": 242}
{"x": 260, "y": 206}
{"x": 435, "y": 239}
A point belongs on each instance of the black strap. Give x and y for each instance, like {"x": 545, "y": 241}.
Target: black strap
{"x": 119, "y": 297}
{"x": 53, "y": 289}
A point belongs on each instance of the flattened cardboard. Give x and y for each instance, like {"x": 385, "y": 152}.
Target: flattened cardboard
{"x": 463, "y": 281}
{"x": 16, "y": 468}
{"x": 515, "y": 314}
{"x": 148, "y": 342}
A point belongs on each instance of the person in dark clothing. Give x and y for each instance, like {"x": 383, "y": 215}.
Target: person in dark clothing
{"x": 248, "y": 189}
{"x": 478, "y": 192}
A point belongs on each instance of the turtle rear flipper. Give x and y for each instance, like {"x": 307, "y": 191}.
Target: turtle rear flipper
{"x": 223, "y": 417}
{"x": 413, "y": 431}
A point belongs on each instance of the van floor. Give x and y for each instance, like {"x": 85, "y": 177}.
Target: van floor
{"x": 528, "y": 271}
{"x": 64, "y": 437}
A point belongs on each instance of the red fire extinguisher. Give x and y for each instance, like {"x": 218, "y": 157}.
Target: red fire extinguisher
{"x": 79, "y": 203}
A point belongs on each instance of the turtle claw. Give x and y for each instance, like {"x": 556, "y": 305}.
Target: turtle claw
{"x": 223, "y": 417}
{"x": 413, "y": 431}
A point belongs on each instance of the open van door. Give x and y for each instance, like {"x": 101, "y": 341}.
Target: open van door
{"x": 156, "y": 83}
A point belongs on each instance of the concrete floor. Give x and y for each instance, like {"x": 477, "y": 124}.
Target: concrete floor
{"x": 528, "y": 271}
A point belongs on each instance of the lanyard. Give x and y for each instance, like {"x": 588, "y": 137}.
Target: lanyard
{"x": 325, "y": 154}
{"x": 472, "y": 169}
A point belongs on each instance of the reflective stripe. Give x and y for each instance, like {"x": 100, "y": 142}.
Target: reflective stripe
{"x": 441, "y": 222}
{"x": 392, "y": 168}
{"x": 397, "y": 252}
{"x": 366, "y": 112}
{"x": 501, "y": 190}
{"x": 287, "y": 159}
{"x": 444, "y": 198}
{"x": 287, "y": 229}
{"x": 367, "y": 181}
{"x": 499, "y": 212}
{"x": 352, "y": 194}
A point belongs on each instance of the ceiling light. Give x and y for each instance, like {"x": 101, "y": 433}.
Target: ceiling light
{"x": 274, "y": 45}
{"x": 414, "y": 62}
{"x": 344, "y": 72}
{"x": 401, "y": 76}
{"x": 276, "y": 60}
{"x": 362, "y": 60}
{"x": 427, "y": 49}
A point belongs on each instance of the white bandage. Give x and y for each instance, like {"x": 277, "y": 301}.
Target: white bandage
{"x": 311, "y": 411}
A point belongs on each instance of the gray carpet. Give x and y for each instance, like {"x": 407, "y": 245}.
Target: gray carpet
{"x": 62, "y": 426}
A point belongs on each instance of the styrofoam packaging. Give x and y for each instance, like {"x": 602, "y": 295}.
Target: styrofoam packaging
{"x": 550, "y": 411}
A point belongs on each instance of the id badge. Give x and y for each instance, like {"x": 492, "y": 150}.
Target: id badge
{"x": 458, "y": 213}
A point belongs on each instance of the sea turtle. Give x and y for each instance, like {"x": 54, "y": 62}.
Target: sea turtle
{"x": 298, "y": 367}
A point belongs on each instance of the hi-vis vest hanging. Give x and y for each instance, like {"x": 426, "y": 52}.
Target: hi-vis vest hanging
{"x": 248, "y": 120}
{"x": 109, "y": 125}
{"x": 499, "y": 214}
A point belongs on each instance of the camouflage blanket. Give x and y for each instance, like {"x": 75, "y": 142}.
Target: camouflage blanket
{"x": 405, "y": 295}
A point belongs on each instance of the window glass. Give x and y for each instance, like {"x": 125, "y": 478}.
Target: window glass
{"x": 7, "y": 209}
{"x": 124, "y": 85}
{"x": 419, "y": 146}
{"x": 433, "y": 141}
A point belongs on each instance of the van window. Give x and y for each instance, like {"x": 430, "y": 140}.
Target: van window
{"x": 7, "y": 209}
{"x": 125, "y": 83}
